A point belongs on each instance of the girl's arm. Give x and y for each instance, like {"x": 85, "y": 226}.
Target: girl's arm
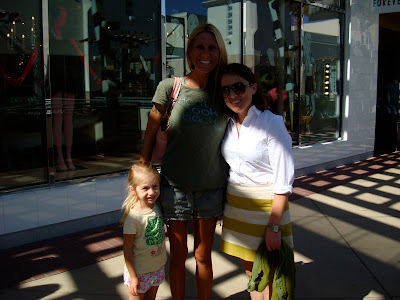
{"x": 128, "y": 255}
{"x": 155, "y": 116}
{"x": 273, "y": 239}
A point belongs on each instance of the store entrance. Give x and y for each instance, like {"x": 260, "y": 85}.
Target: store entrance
{"x": 387, "y": 133}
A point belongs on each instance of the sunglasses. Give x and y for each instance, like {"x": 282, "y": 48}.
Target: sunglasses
{"x": 237, "y": 88}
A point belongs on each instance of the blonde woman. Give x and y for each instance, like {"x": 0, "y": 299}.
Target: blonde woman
{"x": 192, "y": 169}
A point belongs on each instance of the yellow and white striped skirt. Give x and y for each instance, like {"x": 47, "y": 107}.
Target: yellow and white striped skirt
{"x": 246, "y": 216}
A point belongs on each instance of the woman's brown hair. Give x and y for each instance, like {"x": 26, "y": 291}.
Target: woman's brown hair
{"x": 243, "y": 71}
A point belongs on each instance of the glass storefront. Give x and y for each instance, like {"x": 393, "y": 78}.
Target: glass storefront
{"x": 78, "y": 76}
{"x": 294, "y": 48}
{"x": 320, "y": 105}
{"x": 23, "y": 158}
{"x": 76, "y": 87}
{"x": 104, "y": 59}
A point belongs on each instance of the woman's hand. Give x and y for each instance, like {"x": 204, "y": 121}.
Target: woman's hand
{"x": 272, "y": 239}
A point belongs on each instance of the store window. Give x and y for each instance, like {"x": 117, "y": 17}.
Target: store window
{"x": 294, "y": 48}
{"x": 74, "y": 99}
{"x": 104, "y": 65}
{"x": 23, "y": 158}
{"x": 320, "y": 103}
{"x": 296, "y": 53}
{"x": 275, "y": 55}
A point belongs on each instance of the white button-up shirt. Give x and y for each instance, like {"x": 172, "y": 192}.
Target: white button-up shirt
{"x": 262, "y": 153}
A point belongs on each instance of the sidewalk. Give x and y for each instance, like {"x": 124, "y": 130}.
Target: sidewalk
{"x": 346, "y": 228}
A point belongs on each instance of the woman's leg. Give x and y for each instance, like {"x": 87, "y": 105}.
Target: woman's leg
{"x": 177, "y": 234}
{"x": 151, "y": 293}
{"x": 265, "y": 294}
{"x": 56, "y": 104}
{"x": 69, "y": 103}
{"x": 204, "y": 230}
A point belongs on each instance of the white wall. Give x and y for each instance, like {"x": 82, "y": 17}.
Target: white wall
{"x": 41, "y": 207}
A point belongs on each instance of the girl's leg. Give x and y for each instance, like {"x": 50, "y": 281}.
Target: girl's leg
{"x": 265, "y": 294}
{"x": 204, "y": 230}
{"x": 138, "y": 297}
{"x": 151, "y": 293}
{"x": 177, "y": 234}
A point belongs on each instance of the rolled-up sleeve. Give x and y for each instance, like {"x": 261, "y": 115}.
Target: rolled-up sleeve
{"x": 280, "y": 156}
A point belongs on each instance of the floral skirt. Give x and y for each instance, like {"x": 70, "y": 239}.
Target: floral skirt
{"x": 147, "y": 280}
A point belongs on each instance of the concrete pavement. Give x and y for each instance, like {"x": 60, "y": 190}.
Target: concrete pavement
{"x": 347, "y": 246}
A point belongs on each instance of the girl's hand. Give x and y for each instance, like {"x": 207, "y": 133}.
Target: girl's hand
{"x": 133, "y": 286}
{"x": 272, "y": 239}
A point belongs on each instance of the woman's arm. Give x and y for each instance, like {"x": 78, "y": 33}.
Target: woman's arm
{"x": 282, "y": 165}
{"x": 155, "y": 116}
{"x": 129, "y": 261}
{"x": 273, "y": 239}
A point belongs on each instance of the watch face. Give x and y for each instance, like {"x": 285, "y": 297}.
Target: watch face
{"x": 275, "y": 228}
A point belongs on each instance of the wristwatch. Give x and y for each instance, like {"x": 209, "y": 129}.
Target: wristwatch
{"x": 274, "y": 227}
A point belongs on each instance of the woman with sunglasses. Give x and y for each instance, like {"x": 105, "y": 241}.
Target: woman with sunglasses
{"x": 193, "y": 169}
{"x": 258, "y": 150}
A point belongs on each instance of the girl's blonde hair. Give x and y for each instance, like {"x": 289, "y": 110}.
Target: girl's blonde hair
{"x": 135, "y": 175}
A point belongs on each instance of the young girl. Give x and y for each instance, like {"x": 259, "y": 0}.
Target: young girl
{"x": 144, "y": 235}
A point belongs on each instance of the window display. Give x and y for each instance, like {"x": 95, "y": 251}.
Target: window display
{"x": 75, "y": 99}
{"x": 23, "y": 158}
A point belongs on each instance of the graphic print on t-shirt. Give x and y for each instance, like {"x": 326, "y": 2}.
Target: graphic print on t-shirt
{"x": 154, "y": 234}
{"x": 199, "y": 112}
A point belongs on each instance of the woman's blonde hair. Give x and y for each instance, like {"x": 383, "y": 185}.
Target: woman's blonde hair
{"x": 223, "y": 56}
{"x": 135, "y": 176}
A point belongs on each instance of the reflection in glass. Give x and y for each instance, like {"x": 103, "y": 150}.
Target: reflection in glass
{"x": 22, "y": 138}
{"x": 277, "y": 59}
{"x": 299, "y": 70}
{"x": 105, "y": 62}
{"x": 320, "y": 96}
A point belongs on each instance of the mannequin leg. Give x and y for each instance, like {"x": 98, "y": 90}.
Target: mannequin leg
{"x": 69, "y": 103}
{"x": 56, "y": 103}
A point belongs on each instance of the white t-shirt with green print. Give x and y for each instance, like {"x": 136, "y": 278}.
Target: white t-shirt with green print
{"x": 149, "y": 245}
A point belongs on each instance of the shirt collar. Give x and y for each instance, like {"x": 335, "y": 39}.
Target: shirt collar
{"x": 253, "y": 110}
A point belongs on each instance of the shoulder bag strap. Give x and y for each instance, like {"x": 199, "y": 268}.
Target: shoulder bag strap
{"x": 175, "y": 92}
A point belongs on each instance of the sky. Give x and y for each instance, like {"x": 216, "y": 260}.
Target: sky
{"x": 178, "y": 6}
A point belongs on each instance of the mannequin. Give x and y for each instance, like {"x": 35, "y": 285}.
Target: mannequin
{"x": 62, "y": 101}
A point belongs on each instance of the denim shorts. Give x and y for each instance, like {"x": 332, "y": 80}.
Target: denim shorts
{"x": 181, "y": 204}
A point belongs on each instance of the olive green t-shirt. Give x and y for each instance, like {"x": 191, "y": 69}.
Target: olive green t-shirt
{"x": 193, "y": 157}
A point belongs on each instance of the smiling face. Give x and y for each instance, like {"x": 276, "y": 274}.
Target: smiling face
{"x": 239, "y": 102}
{"x": 204, "y": 53}
{"x": 147, "y": 190}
